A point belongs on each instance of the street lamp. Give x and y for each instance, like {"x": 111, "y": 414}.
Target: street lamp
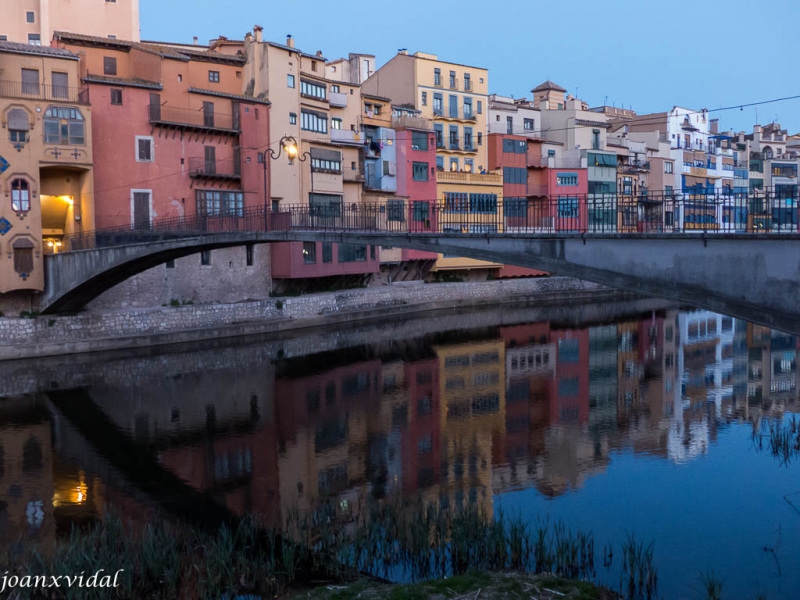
{"x": 288, "y": 145}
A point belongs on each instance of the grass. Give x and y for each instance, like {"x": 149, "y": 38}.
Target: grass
{"x": 780, "y": 438}
{"x": 443, "y": 551}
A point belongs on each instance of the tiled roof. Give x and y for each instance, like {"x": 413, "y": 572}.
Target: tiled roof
{"x": 132, "y": 82}
{"x": 548, "y": 85}
{"x": 36, "y": 50}
{"x": 231, "y": 96}
{"x": 165, "y": 51}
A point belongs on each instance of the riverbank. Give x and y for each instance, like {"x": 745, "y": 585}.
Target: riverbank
{"x": 473, "y": 586}
{"x": 104, "y": 331}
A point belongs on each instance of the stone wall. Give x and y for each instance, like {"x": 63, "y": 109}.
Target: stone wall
{"x": 52, "y": 335}
{"x": 227, "y": 278}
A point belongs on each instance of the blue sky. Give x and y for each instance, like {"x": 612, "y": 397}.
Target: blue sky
{"x": 642, "y": 53}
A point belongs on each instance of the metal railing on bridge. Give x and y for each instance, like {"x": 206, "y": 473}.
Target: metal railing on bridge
{"x": 762, "y": 212}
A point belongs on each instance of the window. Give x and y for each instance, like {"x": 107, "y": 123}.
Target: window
{"x": 327, "y": 252}
{"x": 109, "y": 65}
{"x": 668, "y": 167}
{"x": 290, "y": 81}
{"x": 20, "y": 195}
{"x": 144, "y": 149}
{"x": 483, "y": 203}
{"x": 468, "y": 138}
{"x": 467, "y": 82}
{"x": 480, "y": 138}
{"x": 627, "y": 185}
{"x": 515, "y": 175}
{"x": 601, "y": 160}
{"x": 3, "y": 38}
{"x": 438, "y": 105}
{"x": 420, "y": 213}
{"x": 325, "y": 165}
{"x": 420, "y": 171}
{"x": 567, "y": 209}
{"x": 440, "y": 163}
{"x": 377, "y": 109}
{"x": 170, "y": 264}
{"x": 567, "y": 179}
{"x": 335, "y": 88}
{"x": 313, "y": 65}
{"x": 18, "y": 125}
{"x": 336, "y": 123}
{"x": 219, "y": 203}
{"x": 23, "y": 257}
{"x": 60, "y": 85}
{"x": 467, "y": 108}
{"x": 452, "y": 79}
{"x": 515, "y": 146}
{"x": 509, "y": 124}
{"x": 419, "y": 140}
{"x": 595, "y": 139}
{"x": 249, "y": 254}
{"x": 454, "y": 137}
{"x": 454, "y": 164}
{"x": 515, "y": 207}
{"x": 438, "y": 130}
{"x": 313, "y": 90}
{"x": 63, "y": 125}
{"x": 213, "y": 76}
{"x": 480, "y": 107}
{"x": 424, "y": 98}
{"x": 309, "y": 252}
{"x": 437, "y": 77}
{"x": 292, "y": 118}
{"x": 30, "y": 82}
{"x": 30, "y": 17}
{"x": 394, "y": 210}
{"x": 34, "y": 39}
{"x": 205, "y": 258}
{"x": 325, "y": 205}
{"x": 312, "y": 121}
{"x": 456, "y": 202}
{"x": 528, "y": 124}
{"x": 352, "y": 253}
{"x": 116, "y": 97}
{"x": 453, "y": 105}
{"x": 668, "y": 191}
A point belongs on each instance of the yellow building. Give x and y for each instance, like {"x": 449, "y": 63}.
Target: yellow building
{"x": 455, "y": 97}
{"x": 45, "y": 164}
{"x": 472, "y": 404}
{"x": 34, "y": 21}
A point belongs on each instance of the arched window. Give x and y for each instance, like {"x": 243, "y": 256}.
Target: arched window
{"x": 20, "y": 195}
{"x": 64, "y": 125}
{"x": 18, "y": 125}
{"x": 23, "y": 257}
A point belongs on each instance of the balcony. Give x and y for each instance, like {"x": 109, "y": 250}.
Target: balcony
{"x": 200, "y": 168}
{"x": 469, "y": 178}
{"x": 470, "y": 116}
{"x": 409, "y": 122}
{"x": 42, "y": 91}
{"x": 454, "y": 83}
{"x": 468, "y": 85}
{"x": 347, "y": 136}
{"x": 634, "y": 166}
{"x": 438, "y": 112}
{"x": 337, "y": 100}
{"x": 193, "y": 119}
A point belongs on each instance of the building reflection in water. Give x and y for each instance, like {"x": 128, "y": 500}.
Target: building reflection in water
{"x": 446, "y": 419}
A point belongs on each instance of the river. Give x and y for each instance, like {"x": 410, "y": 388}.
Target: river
{"x": 624, "y": 418}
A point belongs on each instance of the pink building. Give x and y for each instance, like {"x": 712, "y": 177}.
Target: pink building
{"x": 175, "y": 138}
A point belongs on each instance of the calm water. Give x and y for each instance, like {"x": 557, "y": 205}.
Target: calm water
{"x": 616, "y": 419}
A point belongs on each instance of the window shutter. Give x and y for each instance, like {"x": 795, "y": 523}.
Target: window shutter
{"x": 18, "y": 120}
{"x": 23, "y": 256}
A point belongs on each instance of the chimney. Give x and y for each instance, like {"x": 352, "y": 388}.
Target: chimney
{"x": 319, "y": 53}
{"x": 289, "y": 40}
{"x": 258, "y": 31}
{"x": 714, "y": 126}
{"x": 194, "y": 39}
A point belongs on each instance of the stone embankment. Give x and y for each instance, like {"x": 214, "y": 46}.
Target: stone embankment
{"x": 108, "y": 330}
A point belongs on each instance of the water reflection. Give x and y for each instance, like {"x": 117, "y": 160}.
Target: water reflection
{"x": 448, "y": 417}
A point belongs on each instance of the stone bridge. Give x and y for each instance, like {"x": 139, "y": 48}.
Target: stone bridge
{"x": 754, "y": 277}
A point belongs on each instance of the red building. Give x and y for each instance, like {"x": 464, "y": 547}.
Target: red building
{"x": 416, "y": 181}
{"x": 422, "y": 443}
{"x": 557, "y": 193}
{"x": 570, "y": 403}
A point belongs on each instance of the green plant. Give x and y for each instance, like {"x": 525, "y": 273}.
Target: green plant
{"x": 711, "y": 586}
{"x": 1, "y": 314}
{"x": 29, "y": 314}
{"x": 174, "y": 302}
{"x": 279, "y": 304}
{"x": 51, "y": 322}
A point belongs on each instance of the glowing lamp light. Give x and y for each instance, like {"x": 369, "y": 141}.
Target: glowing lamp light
{"x": 291, "y": 150}
{"x": 68, "y": 199}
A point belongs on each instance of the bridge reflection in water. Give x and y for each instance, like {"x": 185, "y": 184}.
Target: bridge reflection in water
{"x": 550, "y": 410}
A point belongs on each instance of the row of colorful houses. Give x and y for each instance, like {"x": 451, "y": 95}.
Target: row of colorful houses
{"x": 105, "y": 131}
